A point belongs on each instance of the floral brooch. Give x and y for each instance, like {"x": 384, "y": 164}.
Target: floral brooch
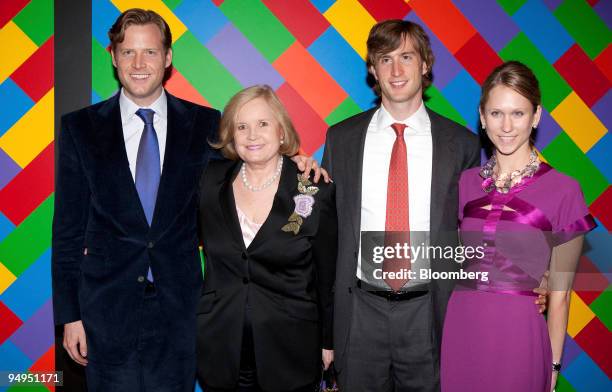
{"x": 303, "y": 205}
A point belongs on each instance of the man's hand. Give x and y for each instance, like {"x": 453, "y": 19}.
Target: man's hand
{"x": 542, "y": 292}
{"x": 75, "y": 342}
{"x": 307, "y": 164}
{"x": 328, "y": 357}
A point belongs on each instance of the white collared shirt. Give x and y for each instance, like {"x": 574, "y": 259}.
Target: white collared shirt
{"x": 379, "y": 141}
{"x": 133, "y": 127}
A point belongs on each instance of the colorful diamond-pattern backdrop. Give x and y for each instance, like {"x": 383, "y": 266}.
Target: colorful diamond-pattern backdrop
{"x": 26, "y": 187}
{"x": 311, "y": 53}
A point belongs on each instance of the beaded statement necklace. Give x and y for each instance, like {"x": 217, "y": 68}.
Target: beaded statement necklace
{"x": 270, "y": 181}
{"x": 504, "y": 181}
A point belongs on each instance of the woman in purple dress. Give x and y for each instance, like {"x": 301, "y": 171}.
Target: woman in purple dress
{"x": 527, "y": 218}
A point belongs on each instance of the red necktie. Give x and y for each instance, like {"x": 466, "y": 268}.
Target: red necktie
{"x": 397, "y": 226}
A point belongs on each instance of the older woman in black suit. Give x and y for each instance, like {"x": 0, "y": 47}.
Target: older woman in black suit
{"x": 265, "y": 315}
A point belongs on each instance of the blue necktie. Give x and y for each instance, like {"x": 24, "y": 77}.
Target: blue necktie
{"x": 148, "y": 167}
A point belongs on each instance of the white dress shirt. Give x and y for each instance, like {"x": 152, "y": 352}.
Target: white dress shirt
{"x": 379, "y": 141}
{"x": 134, "y": 125}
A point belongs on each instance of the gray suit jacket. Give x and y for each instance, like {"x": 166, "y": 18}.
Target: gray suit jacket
{"x": 455, "y": 149}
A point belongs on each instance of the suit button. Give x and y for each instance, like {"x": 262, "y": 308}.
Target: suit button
{"x": 150, "y": 245}
{"x": 141, "y": 279}
{"x": 244, "y": 256}
{"x": 245, "y": 280}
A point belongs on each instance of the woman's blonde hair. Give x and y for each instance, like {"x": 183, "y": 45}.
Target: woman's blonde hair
{"x": 225, "y": 141}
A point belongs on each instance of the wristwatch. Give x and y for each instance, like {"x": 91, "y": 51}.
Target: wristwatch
{"x": 556, "y": 366}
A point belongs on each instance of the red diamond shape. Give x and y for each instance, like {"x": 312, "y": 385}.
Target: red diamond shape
{"x": 589, "y": 281}
{"x": 45, "y": 364}
{"x": 596, "y": 341}
{"x": 10, "y": 322}
{"x": 35, "y": 75}
{"x": 601, "y": 208}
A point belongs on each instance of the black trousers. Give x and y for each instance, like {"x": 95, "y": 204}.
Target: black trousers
{"x": 152, "y": 367}
{"x": 247, "y": 381}
{"x": 391, "y": 346}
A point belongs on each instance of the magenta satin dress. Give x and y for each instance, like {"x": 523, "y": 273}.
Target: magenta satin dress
{"x": 494, "y": 338}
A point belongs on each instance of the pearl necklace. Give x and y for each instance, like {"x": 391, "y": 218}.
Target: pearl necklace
{"x": 247, "y": 185}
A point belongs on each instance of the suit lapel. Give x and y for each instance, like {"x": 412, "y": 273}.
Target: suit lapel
{"x": 353, "y": 169}
{"x": 442, "y": 169}
{"x": 112, "y": 161}
{"x": 443, "y": 152}
{"x": 179, "y": 137}
{"x": 228, "y": 205}
{"x": 282, "y": 205}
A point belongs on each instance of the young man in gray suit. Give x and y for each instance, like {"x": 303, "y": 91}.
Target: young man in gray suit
{"x": 396, "y": 168}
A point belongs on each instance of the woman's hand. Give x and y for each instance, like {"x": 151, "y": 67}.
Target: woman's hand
{"x": 328, "y": 357}
{"x": 542, "y": 292}
{"x": 542, "y": 299}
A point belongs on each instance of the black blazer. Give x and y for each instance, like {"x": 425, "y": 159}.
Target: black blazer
{"x": 102, "y": 244}
{"x": 286, "y": 279}
{"x": 454, "y": 149}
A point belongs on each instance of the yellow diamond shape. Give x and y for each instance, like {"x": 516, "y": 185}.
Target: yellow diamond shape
{"x": 32, "y": 133}
{"x": 579, "y": 122}
{"x": 579, "y": 315}
{"x": 353, "y": 22}
{"x": 6, "y": 278}
{"x": 17, "y": 47}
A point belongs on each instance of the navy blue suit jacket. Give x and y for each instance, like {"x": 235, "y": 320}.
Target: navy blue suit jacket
{"x": 102, "y": 245}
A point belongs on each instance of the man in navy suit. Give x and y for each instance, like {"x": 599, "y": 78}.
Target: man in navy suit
{"x": 126, "y": 266}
